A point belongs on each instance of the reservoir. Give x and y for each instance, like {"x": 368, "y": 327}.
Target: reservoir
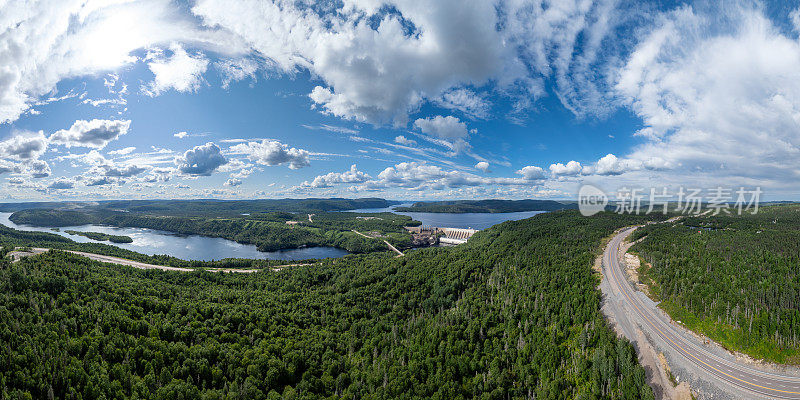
{"x": 192, "y": 247}
{"x": 456, "y": 220}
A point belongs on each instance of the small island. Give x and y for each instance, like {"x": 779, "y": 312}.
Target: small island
{"x": 486, "y": 206}
{"x": 103, "y": 237}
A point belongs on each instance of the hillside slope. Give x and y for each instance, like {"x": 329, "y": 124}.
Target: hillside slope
{"x": 514, "y": 313}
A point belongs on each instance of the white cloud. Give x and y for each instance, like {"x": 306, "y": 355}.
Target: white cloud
{"x": 61, "y": 183}
{"x": 421, "y": 176}
{"x": 181, "y": 71}
{"x": 272, "y": 153}
{"x": 532, "y": 173}
{"x": 181, "y": 135}
{"x": 332, "y": 178}
{"x": 569, "y": 42}
{"x": 6, "y": 166}
{"x": 333, "y": 128}
{"x": 722, "y": 102}
{"x": 372, "y": 75}
{"x": 95, "y": 134}
{"x": 233, "y": 182}
{"x": 466, "y": 101}
{"x": 24, "y": 146}
{"x": 45, "y": 42}
{"x": 201, "y": 160}
{"x": 483, "y": 166}
{"x": 159, "y": 174}
{"x": 37, "y": 169}
{"x": 236, "y": 69}
{"x": 572, "y": 168}
{"x": 404, "y": 141}
{"x": 123, "y": 151}
{"x": 449, "y": 127}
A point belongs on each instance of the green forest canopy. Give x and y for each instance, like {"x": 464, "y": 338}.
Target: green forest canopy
{"x": 733, "y": 278}
{"x": 513, "y": 313}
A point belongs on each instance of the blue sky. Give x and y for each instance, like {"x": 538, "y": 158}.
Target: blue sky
{"x": 395, "y": 99}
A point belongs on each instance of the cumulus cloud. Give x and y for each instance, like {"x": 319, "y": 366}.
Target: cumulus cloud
{"x": 24, "y": 146}
{"x": 532, "y": 173}
{"x": 6, "y": 166}
{"x": 99, "y": 181}
{"x": 573, "y": 168}
{"x": 37, "y": 169}
{"x": 332, "y": 178}
{"x": 95, "y": 134}
{"x": 483, "y": 166}
{"x": 46, "y": 42}
{"x": 181, "y": 135}
{"x": 448, "y": 127}
{"x": 272, "y": 153}
{"x": 202, "y": 160}
{"x": 180, "y": 71}
{"x": 61, "y": 183}
{"x": 422, "y": 176}
{"x": 159, "y": 174}
{"x": 373, "y": 73}
{"x": 233, "y": 182}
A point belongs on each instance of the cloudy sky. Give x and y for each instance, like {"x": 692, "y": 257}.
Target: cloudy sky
{"x": 418, "y": 99}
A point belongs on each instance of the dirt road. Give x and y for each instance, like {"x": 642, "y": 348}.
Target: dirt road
{"x": 17, "y": 254}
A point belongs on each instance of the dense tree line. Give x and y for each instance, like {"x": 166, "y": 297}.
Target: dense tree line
{"x": 513, "y": 313}
{"x": 486, "y": 206}
{"x": 733, "y": 278}
{"x": 102, "y": 237}
{"x": 217, "y": 208}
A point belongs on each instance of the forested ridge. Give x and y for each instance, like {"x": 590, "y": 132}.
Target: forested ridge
{"x": 513, "y": 313}
{"x": 268, "y": 231}
{"x": 102, "y": 237}
{"x": 733, "y": 278}
{"x": 486, "y": 206}
{"x": 217, "y": 208}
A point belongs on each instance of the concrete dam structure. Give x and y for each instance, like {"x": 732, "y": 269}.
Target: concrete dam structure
{"x": 446, "y": 235}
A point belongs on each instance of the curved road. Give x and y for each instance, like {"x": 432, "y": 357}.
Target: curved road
{"x": 720, "y": 371}
{"x": 16, "y": 255}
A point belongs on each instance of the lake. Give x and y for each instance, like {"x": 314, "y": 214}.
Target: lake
{"x": 454, "y": 220}
{"x": 192, "y": 247}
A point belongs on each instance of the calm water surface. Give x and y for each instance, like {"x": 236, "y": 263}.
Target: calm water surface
{"x": 193, "y": 247}
{"x": 449, "y": 220}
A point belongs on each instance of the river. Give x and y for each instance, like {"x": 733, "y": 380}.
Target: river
{"x": 455, "y": 220}
{"x": 191, "y": 247}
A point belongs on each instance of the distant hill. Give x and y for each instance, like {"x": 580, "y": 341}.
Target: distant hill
{"x": 487, "y": 206}
{"x": 207, "y": 207}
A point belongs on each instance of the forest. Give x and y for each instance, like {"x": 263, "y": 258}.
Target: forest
{"x": 268, "y": 231}
{"x": 207, "y": 207}
{"x": 733, "y": 278}
{"x": 486, "y": 206}
{"x": 102, "y": 237}
{"x": 513, "y": 313}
